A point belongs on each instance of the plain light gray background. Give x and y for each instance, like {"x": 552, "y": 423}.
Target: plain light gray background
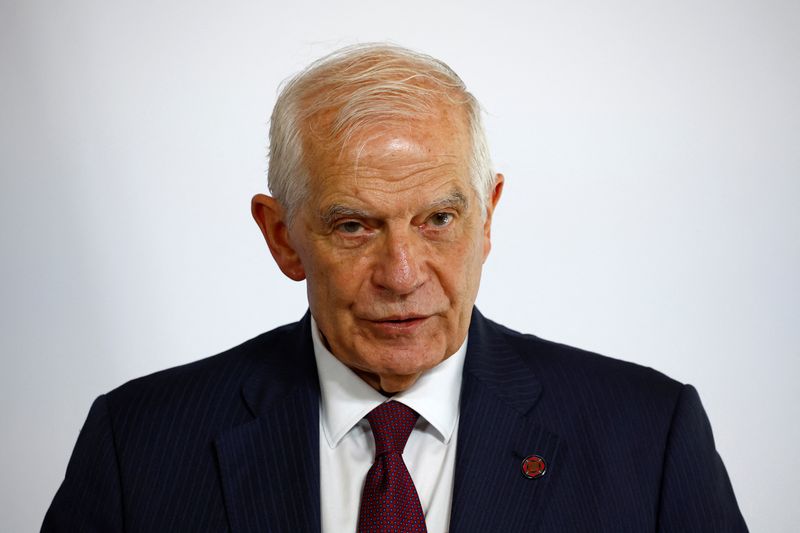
{"x": 651, "y": 212}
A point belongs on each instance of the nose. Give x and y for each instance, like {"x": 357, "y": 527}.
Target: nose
{"x": 400, "y": 261}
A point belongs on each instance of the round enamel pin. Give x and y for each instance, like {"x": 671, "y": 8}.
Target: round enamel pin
{"x": 533, "y": 467}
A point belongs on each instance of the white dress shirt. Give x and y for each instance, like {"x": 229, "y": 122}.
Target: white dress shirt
{"x": 347, "y": 449}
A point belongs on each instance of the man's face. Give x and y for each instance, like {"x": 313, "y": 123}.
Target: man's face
{"x": 391, "y": 243}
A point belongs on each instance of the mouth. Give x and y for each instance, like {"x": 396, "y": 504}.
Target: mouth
{"x": 401, "y": 318}
{"x": 399, "y": 323}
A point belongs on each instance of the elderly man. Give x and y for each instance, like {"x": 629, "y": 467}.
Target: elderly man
{"x": 393, "y": 405}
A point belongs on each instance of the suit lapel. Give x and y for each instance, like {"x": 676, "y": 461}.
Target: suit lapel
{"x": 270, "y": 465}
{"x": 279, "y": 447}
{"x": 490, "y": 492}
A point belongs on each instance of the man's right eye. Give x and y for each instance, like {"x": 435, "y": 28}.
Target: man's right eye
{"x": 350, "y": 226}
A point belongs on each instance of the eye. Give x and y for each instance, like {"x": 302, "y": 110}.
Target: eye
{"x": 441, "y": 220}
{"x": 351, "y": 227}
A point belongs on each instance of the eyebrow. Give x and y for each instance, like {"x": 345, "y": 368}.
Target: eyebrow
{"x": 455, "y": 199}
{"x": 329, "y": 215}
{"x": 337, "y": 211}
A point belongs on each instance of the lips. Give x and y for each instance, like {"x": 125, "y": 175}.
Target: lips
{"x": 398, "y": 324}
{"x": 402, "y": 318}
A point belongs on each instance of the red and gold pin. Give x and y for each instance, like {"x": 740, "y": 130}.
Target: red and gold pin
{"x": 533, "y": 467}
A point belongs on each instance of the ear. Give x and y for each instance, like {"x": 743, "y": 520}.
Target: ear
{"x": 271, "y": 218}
{"x": 497, "y": 191}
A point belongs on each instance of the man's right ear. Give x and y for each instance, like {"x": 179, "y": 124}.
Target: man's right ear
{"x": 271, "y": 218}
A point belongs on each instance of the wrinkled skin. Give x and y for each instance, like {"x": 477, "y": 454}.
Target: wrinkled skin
{"x": 391, "y": 242}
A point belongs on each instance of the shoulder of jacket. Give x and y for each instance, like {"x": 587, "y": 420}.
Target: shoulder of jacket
{"x": 554, "y": 362}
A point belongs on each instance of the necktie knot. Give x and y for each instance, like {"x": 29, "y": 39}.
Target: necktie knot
{"x": 391, "y": 423}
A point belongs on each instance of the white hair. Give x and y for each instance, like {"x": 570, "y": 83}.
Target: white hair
{"x": 358, "y": 87}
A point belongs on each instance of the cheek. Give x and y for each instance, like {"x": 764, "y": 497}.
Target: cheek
{"x": 460, "y": 267}
{"x": 340, "y": 277}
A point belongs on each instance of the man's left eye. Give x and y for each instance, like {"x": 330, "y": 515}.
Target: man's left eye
{"x": 441, "y": 219}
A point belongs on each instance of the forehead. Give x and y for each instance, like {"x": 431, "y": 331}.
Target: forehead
{"x": 395, "y": 157}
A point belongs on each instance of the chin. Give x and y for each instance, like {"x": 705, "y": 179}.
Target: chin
{"x": 410, "y": 362}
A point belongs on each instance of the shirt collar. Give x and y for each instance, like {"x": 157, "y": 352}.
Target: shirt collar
{"x": 346, "y": 398}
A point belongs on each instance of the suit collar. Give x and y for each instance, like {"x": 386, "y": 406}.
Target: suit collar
{"x": 287, "y": 366}
{"x": 279, "y": 447}
{"x": 269, "y": 466}
{"x": 496, "y": 433}
{"x": 498, "y": 367}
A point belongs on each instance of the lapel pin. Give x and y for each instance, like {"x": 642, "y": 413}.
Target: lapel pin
{"x": 533, "y": 467}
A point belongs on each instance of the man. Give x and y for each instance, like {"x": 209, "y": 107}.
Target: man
{"x": 393, "y": 405}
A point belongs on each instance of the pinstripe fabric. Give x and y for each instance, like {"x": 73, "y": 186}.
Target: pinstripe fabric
{"x": 231, "y": 443}
{"x": 89, "y": 500}
{"x": 211, "y": 446}
{"x": 493, "y": 439}
{"x": 627, "y": 448}
{"x": 685, "y": 494}
{"x": 270, "y": 478}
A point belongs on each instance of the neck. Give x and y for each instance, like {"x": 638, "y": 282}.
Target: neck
{"x": 386, "y": 385}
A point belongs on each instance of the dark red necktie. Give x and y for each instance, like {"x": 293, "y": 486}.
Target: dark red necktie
{"x": 390, "y": 502}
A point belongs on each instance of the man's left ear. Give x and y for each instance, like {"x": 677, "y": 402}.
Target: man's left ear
{"x": 494, "y": 197}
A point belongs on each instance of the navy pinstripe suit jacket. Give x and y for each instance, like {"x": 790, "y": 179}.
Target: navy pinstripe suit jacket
{"x": 231, "y": 443}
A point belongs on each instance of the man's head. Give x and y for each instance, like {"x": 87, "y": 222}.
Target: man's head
{"x": 383, "y": 201}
